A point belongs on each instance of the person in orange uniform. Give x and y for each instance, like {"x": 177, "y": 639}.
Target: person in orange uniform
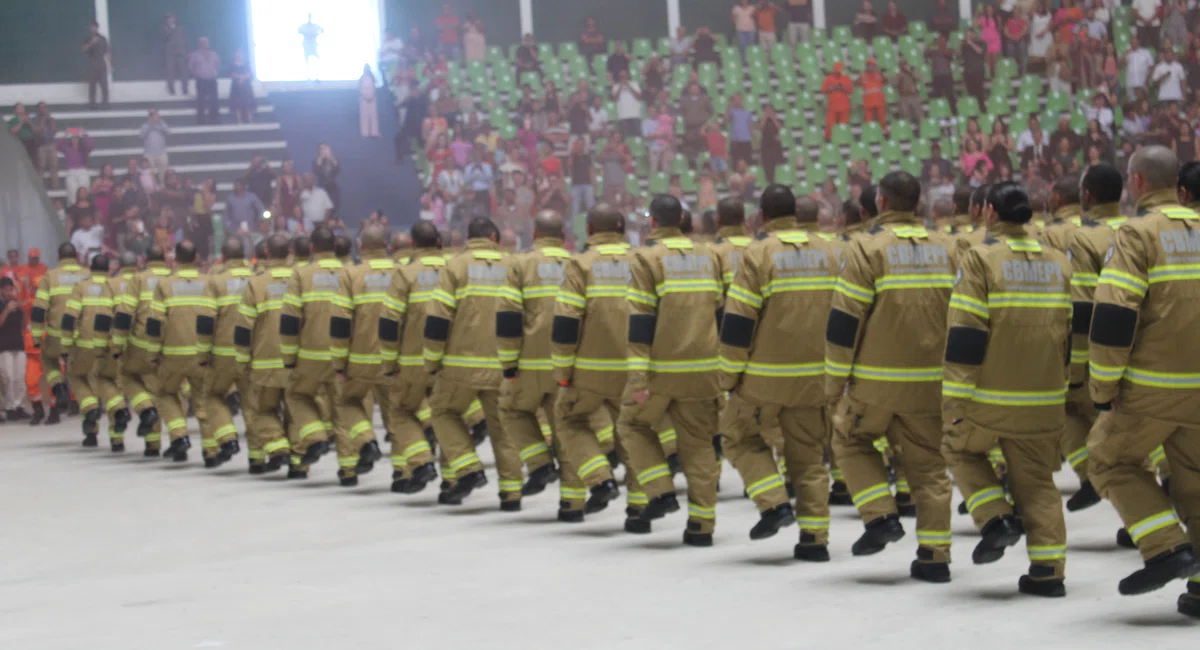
{"x": 837, "y": 88}
{"x": 874, "y": 101}
{"x": 28, "y": 276}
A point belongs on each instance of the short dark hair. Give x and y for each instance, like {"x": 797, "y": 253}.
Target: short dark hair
{"x": 156, "y": 254}
{"x": 1010, "y": 202}
{"x": 426, "y": 235}
{"x": 323, "y": 239}
{"x": 902, "y": 191}
{"x": 962, "y": 198}
{"x": 185, "y": 252}
{"x": 1104, "y": 183}
{"x": 979, "y": 196}
{"x": 66, "y": 251}
{"x": 232, "y": 249}
{"x": 302, "y": 246}
{"x": 1067, "y": 187}
{"x": 278, "y": 246}
{"x": 1189, "y": 179}
{"x": 777, "y": 202}
{"x": 482, "y": 228}
{"x": 342, "y": 246}
{"x": 685, "y": 224}
{"x": 731, "y": 212}
{"x": 666, "y": 210}
{"x": 867, "y": 201}
{"x": 262, "y": 250}
{"x": 852, "y": 212}
{"x": 100, "y": 263}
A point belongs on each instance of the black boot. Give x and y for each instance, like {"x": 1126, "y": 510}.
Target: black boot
{"x": 421, "y": 476}
{"x": 634, "y": 523}
{"x": 121, "y": 421}
{"x": 539, "y": 479}
{"x": 257, "y": 468}
{"x": 936, "y": 572}
{"x": 297, "y": 474}
{"x": 146, "y": 421}
{"x": 234, "y": 402}
{"x": 400, "y": 483}
{"x": 962, "y": 508}
{"x": 467, "y": 484}
{"x": 998, "y": 534}
{"x": 151, "y": 452}
{"x": 1041, "y": 582}
{"x": 1159, "y": 570}
{"x": 905, "y": 505}
{"x": 228, "y": 450}
{"x": 879, "y": 533}
{"x": 701, "y": 540}
{"x": 675, "y": 466}
{"x": 53, "y": 418}
{"x": 431, "y": 439}
{"x": 346, "y": 479}
{"x": 479, "y": 432}
{"x": 1124, "y": 540}
{"x": 614, "y": 459}
{"x": 510, "y": 506}
{"x": 18, "y": 414}
{"x": 368, "y": 455}
{"x": 445, "y": 498}
{"x": 178, "y": 451}
{"x": 117, "y": 445}
{"x": 772, "y": 520}
{"x": 839, "y": 495}
{"x": 1189, "y": 603}
{"x": 601, "y": 495}
{"x": 39, "y": 414}
{"x": 570, "y": 516}
{"x": 809, "y": 550}
{"x": 91, "y": 428}
{"x": 314, "y": 452}
{"x": 62, "y": 397}
{"x": 213, "y": 462}
{"x": 275, "y": 463}
{"x": 660, "y": 506}
{"x": 1086, "y": 497}
{"x": 73, "y": 409}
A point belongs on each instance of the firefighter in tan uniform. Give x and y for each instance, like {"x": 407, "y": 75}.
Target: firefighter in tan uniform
{"x": 588, "y": 334}
{"x": 1100, "y": 197}
{"x": 461, "y": 349}
{"x": 1066, "y": 213}
{"x": 354, "y": 409}
{"x": 884, "y": 343}
{"x": 523, "y": 321}
{"x": 314, "y": 329}
{"x": 773, "y": 363}
{"x": 1006, "y": 381}
{"x": 1144, "y": 375}
{"x": 227, "y": 369}
{"x": 182, "y": 321}
{"x": 409, "y": 298}
{"x": 49, "y": 303}
{"x": 673, "y": 371}
{"x": 89, "y": 318}
{"x": 139, "y": 372}
{"x": 256, "y": 337}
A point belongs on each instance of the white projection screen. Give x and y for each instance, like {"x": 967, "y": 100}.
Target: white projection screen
{"x": 347, "y": 37}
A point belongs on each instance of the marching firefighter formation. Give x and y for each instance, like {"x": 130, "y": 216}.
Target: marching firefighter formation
{"x": 868, "y": 367}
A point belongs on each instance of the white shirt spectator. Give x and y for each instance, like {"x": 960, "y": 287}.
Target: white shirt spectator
{"x": 629, "y": 107}
{"x": 391, "y": 51}
{"x": 314, "y": 206}
{"x": 1104, "y": 116}
{"x": 1170, "y": 77}
{"x": 598, "y": 119}
{"x": 743, "y": 18}
{"x": 1147, "y": 10}
{"x": 1096, "y": 30}
{"x": 89, "y": 242}
{"x": 1137, "y": 68}
{"x": 451, "y": 181}
{"x": 1027, "y": 140}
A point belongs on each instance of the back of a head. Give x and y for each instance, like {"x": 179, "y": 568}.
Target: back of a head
{"x": 1157, "y": 165}
{"x": 373, "y": 238}
{"x": 1010, "y": 202}
{"x": 483, "y": 228}
{"x": 66, "y": 251}
{"x": 962, "y": 199}
{"x": 867, "y": 201}
{"x": 1189, "y": 179}
{"x": 127, "y": 260}
{"x": 425, "y": 235}
{"x": 1103, "y": 182}
{"x": 342, "y": 246}
{"x": 731, "y": 212}
{"x": 279, "y": 246}
{"x": 666, "y": 211}
{"x": 232, "y": 249}
{"x": 185, "y": 252}
{"x": 685, "y": 224}
{"x": 262, "y": 250}
{"x": 901, "y": 190}
{"x": 1067, "y": 189}
{"x": 100, "y": 264}
{"x": 401, "y": 241}
{"x": 302, "y": 247}
{"x": 778, "y": 202}
{"x": 156, "y": 253}
{"x": 852, "y": 213}
{"x": 808, "y": 210}
{"x": 979, "y": 196}
{"x": 323, "y": 239}
{"x": 605, "y": 218}
{"x": 548, "y": 223}
{"x": 708, "y": 222}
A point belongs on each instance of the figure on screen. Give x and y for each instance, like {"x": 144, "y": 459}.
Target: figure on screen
{"x": 312, "y": 60}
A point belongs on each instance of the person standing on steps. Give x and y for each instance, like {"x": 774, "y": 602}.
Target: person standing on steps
{"x": 99, "y": 66}
{"x": 175, "y": 54}
{"x": 205, "y": 65}
{"x": 309, "y": 32}
{"x": 368, "y": 110}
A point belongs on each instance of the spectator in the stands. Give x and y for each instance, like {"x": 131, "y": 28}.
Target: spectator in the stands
{"x": 578, "y": 119}
{"x": 583, "y": 192}
{"x": 557, "y": 135}
{"x": 989, "y": 33}
{"x": 659, "y": 144}
{"x": 945, "y": 167}
{"x": 974, "y": 56}
{"x": 479, "y": 177}
{"x": 146, "y": 179}
{"x": 368, "y": 111}
{"x": 1016, "y": 39}
{"x": 75, "y": 148}
{"x": 617, "y": 63}
{"x": 557, "y": 197}
{"x": 204, "y": 65}
{"x": 154, "y": 134}
{"x": 99, "y": 64}
{"x": 260, "y": 179}
{"x": 628, "y": 97}
{"x": 770, "y": 143}
{"x": 741, "y": 122}
{"x": 654, "y": 77}
{"x": 1095, "y": 137}
{"x": 474, "y": 38}
{"x": 894, "y": 23}
{"x": 1041, "y": 34}
{"x": 242, "y": 104}
{"x": 526, "y": 59}
{"x": 1175, "y": 26}
{"x": 243, "y": 208}
{"x": 764, "y": 19}
{"x": 614, "y": 162}
{"x": 999, "y": 143}
{"x": 460, "y": 149}
{"x": 1032, "y": 142}
{"x": 866, "y": 22}
{"x": 973, "y": 155}
{"x": 198, "y": 227}
{"x": 909, "y": 105}
{"x": 315, "y": 204}
{"x": 943, "y": 19}
{"x": 874, "y": 100}
{"x": 938, "y": 194}
{"x": 391, "y": 52}
{"x": 800, "y": 21}
{"x": 597, "y": 117}
{"x": 551, "y": 103}
{"x": 591, "y": 41}
{"x": 101, "y": 192}
{"x": 1138, "y": 63}
{"x": 681, "y": 46}
{"x": 448, "y": 28}
{"x": 743, "y": 23}
{"x": 696, "y": 109}
{"x": 1065, "y": 132}
{"x": 1065, "y": 156}
{"x": 175, "y": 53}
{"x": 82, "y": 205}
{"x": 138, "y": 241}
{"x": 88, "y": 238}
{"x": 704, "y": 48}
{"x": 325, "y": 169}
{"x": 47, "y": 154}
{"x": 1170, "y": 77}
{"x": 1147, "y": 15}
{"x": 718, "y": 148}
{"x": 940, "y": 57}
{"x": 837, "y": 89}
{"x": 21, "y": 125}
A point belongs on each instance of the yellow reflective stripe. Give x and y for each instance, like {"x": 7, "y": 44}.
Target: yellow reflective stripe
{"x": 1005, "y": 397}
{"x": 854, "y": 291}
{"x": 969, "y": 305}
{"x": 1105, "y": 373}
{"x": 677, "y": 243}
{"x": 933, "y": 537}
{"x": 764, "y": 485}
{"x": 1025, "y": 245}
{"x": 311, "y": 428}
{"x": 786, "y": 285}
{"x": 813, "y": 523}
{"x": 654, "y": 473}
{"x": 462, "y": 361}
{"x": 1180, "y": 213}
{"x": 411, "y": 359}
{"x": 667, "y": 436}
{"x": 373, "y": 298}
{"x": 835, "y": 369}
{"x": 224, "y": 351}
{"x": 1127, "y": 281}
{"x": 445, "y": 298}
{"x": 506, "y": 355}
{"x": 1174, "y": 272}
{"x": 785, "y": 369}
{"x": 1080, "y": 356}
{"x": 684, "y": 365}
{"x": 915, "y": 281}
{"x": 596, "y": 291}
{"x": 877, "y": 491}
{"x": 1085, "y": 279}
{"x": 266, "y": 364}
{"x": 180, "y": 350}
{"x": 596, "y": 463}
{"x": 395, "y": 305}
{"x": 958, "y": 390}
{"x": 574, "y": 299}
{"x": 1078, "y": 456}
{"x": 638, "y": 363}
{"x": 587, "y": 363}
{"x": 533, "y": 450}
{"x": 540, "y": 291}
{"x": 1152, "y": 524}
{"x": 612, "y": 249}
{"x": 700, "y": 512}
{"x": 361, "y": 427}
{"x": 986, "y": 495}
{"x": 74, "y": 304}
{"x": 1029, "y": 300}
{"x": 369, "y": 359}
{"x": 747, "y": 296}
{"x": 644, "y": 297}
{"x": 466, "y": 460}
{"x": 281, "y": 274}
{"x": 879, "y": 373}
{"x": 1162, "y": 379}
{"x": 228, "y": 301}
{"x": 315, "y": 355}
{"x": 687, "y": 286}
{"x": 88, "y": 403}
{"x": 535, "y": 364}
{"x": 1046, "y": 553}
{"x": 725, "y": 364}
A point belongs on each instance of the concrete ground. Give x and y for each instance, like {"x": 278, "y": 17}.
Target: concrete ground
{"x": 120, "y": 552}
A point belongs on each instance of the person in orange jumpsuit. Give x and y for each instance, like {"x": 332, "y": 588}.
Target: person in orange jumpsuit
{"x": 837, "y": 89}
{"x": 28, "y": 276}
{"x": 874, "y": 101}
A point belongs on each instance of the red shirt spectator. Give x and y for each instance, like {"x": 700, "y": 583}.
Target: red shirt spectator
{"x": 552, "y": 165}
{"x": 448, "y": 25}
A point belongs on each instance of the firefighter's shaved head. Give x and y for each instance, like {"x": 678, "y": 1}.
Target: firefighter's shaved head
{"x": 777, "y": 202}
{"x": 1065, "y": 192}
{"x": 127, "y": 260}
{"x": 185, "y": 252}
{"x": 666, "y": 211}
{"x": 373, "y": 238}
{"x": 807, "y": 210}
{"x": 156, "y": 254}
{"x": 1153, "y": 168}
{"x": 66, "y": 251}
{"x": 401, "y": 241}
{"x": 232, "y": 249}
{"x": 302, "y": 247}
{"x": 548, "y": 223}
{"x": 605, "y": 218}
{"x": 1101, "y": 183}
{"x": 731, "y": 212}
{"x": 425, "y": 235}
{"x": 323, "y": 239}
{"x": 279, "y": 246}
{"x": 342, "y": 246}
{"x": 1188, "y": 188}
{"x": 100, "y": 264}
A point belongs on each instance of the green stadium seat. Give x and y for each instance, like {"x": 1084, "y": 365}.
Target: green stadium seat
{"x": 659, "y": 183}
{"x": 860, "y": 151}
{"x": 664, "y": 47}
{"x": 872, "y": 133}
{"x": 819, "y": 36}
{"x": 785, "y": 174}
{"x": 911, "y": 165}
{"x": 679, "y": 164}
{"x": 879, "y": 167}
{"x": 816, "y": 174}
{"x": 842, "y": 135}
{"x": 940, "y": 109}
{"x": 1058, "y": 101}
{"x": 968, "y": 106}
{"x": 631, "y": 185}
{"x": 931, "y": 128}
{"x": 842, "y": 35}
{"x": 890, "y": 151}
{"x": 997, "y": 105}
{"x": 687, "y": 180}
{"x": 918, "y": 30}
{"x": 831, "y": 156}
{"x": 813, "y": 136}
{"x": 921, "y": 148}
{"x": 1006, "y": 69}
{"x": 642, "y": 48}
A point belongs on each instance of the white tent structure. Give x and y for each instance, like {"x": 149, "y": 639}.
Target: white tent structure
{"x": 27, "y": 218}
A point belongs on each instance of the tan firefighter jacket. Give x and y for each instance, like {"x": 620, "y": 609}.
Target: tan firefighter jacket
{"x": 373, "y": 333}
{"x": 408, "y": 301}
{"x": 526, "y": 314}
{"x": 183, "y": 317}
{"x": 257, "y": 334}
{"x": 315, "y": 325}
{"x": 1089, "y": 247}
{"x": 88, "y": 317}
{"x": 49, "y": 305}
{"x": 1065, "y": 221}
{"x": 731, "y": 240}
{"x": 228, "y": 288}
{"x": 141, "y": 353}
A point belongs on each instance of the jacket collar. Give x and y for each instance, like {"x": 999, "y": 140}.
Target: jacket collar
{"x": 277, "y": 264}
{"x": 659, "y": 234}
{"x": 725, "y": 232}
{"x": 69, "y": 265}
{"x": 605, "y": 238}
{"x": 1155, "y": 199}
{"x": 1009, "y": 230}
{"x": 782, "y": 223}
{"x": 547, "y": 242}
{"x": 368, "y": 255}
{"x": 482, "y": 243}
{"x": 1067, "y": 212}
{"x": 1102, "y": 212}
{"x": 892, "y": 216}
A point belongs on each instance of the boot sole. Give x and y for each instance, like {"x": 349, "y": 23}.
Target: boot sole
{"x": 1181, "y": 571}
{"x": 994, "y": 552}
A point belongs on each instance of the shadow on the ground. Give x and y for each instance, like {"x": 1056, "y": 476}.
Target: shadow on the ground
{"x": 1165, "y": 619}
{"x": 892, "y": 580}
